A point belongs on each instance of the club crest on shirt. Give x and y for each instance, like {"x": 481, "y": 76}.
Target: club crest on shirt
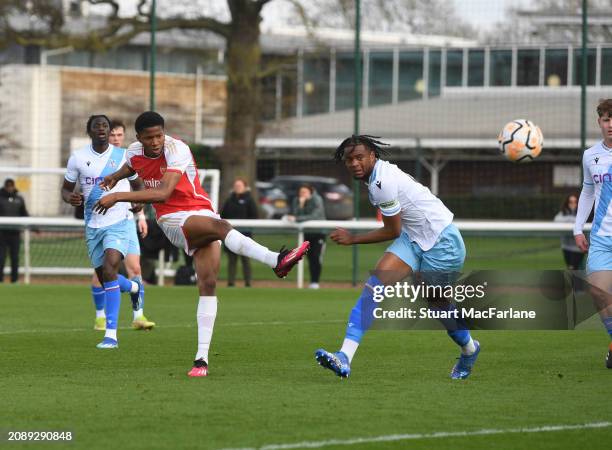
{"x": 113, "y": 164}
{"x": 162, "y": 169}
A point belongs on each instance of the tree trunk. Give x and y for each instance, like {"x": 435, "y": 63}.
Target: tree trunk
{"x": 243, "y": 97}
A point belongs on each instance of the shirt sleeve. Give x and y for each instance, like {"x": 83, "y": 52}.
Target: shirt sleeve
{"x": 178, "y": 156}
{"x": 72, "y": 171}
{"x": 385, "y": 196}
{"x": 586, "y": 200}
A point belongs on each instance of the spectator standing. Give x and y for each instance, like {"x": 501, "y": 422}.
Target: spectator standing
{"x": 239, "y": 205}
{"x": 11, "y": 205}
{"x": 308, "y": 205}
{"x": 571, "y": 253}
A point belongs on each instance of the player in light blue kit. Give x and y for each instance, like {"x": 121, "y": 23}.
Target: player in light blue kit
{"x": 425, "y": 242}
{"x": 131, "y": 261}
{"x": 107, "y": 236}
{"x": 597, "y": 189}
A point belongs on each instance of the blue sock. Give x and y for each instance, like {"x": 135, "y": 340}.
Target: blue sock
{"x": 138, "y": 300}
{"x": 456, "y": 329}
{"x": 98, "y": 296}
{"x": 361, "y": 316}
{"x": 113, "y": 301}
{"x": 124, "y": 284}
{"x": 608, "y": 324}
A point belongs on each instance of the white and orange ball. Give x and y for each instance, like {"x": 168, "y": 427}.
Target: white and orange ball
{"x": 520, "y": 141}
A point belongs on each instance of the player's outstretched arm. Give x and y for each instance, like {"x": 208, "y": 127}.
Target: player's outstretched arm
{"x": 392, "y": 228}
{"x": 154, "y": 195}
{"x": 585, "y": 205}
{"x": 68, "y": 194}
{"x": 111, "y": 180}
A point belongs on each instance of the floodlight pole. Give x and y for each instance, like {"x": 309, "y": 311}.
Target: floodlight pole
{"x": 153, "y": 56}
{"x": 356, "y": 106}
{"x": 583, "y": 81}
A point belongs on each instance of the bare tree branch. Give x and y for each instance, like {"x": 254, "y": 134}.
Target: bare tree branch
{"x": 114, "y": 5}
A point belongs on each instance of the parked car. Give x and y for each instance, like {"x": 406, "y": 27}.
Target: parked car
{"x": 272, "y": 200}
{"x": 337, "y": 197}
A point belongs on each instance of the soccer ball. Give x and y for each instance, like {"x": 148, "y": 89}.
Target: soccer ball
{"x": 520, "y": 141}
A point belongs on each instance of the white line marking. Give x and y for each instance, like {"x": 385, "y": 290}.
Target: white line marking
{"x": 436, "y": 435}
{"x": 229, "y": 324}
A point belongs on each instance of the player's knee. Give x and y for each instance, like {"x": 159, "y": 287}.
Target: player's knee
{"x": 207, "y": 284}
{"x": 224, "y": 227}
{"x": 601, "y": 298}
{"x": 110, "y": 268}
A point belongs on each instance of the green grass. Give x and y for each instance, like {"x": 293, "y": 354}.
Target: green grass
{"x": 483, "y": 252}
{"x": 265, "y": 387}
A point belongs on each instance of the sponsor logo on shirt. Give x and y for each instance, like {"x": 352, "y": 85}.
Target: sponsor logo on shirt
{"x": 602, "y": 178}
{"x": 93, "y": 180}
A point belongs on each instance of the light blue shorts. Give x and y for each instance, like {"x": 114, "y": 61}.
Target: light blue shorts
{"x": 600, "y": 253}
{"x": 115, "y": 236}
{"x": 446, "y": 257}
{"x": 134, "y": 246}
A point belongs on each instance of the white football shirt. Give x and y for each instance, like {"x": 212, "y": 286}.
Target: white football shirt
{"x": 423, "y": 215}
{"x": 88, "y": 168}
{"x": 597, "y": 173}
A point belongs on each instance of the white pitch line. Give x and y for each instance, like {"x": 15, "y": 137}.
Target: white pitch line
{"x": 418, "y": 436}
{"x": 229, "y": 324}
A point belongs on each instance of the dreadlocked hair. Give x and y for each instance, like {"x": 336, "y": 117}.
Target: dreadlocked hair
{"x": 370, "y": 142}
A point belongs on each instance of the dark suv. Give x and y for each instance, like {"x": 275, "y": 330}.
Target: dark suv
{"x": 337, "y": 197}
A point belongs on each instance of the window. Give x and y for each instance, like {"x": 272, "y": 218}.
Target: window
{"x": 591, "y": 61}
{"x": 316, "y": 85}
{"x": 381, "y": 78}
{"x": 555, "y": 67}
{"x": 528, "y": 67}
{"x": 435, "y": 69}
{"x": 454, "y": 68}
{"x": 475, "y": 67}
{"x": 500, "y": 70}
{"x": 411, "y": 84}
{"x": 345, "y": 77}
{"x": 606, "y": 66}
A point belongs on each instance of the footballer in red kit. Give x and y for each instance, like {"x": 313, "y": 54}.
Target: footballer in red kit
{"x": 186, "y": 216}
{"x": 188, "y": 194}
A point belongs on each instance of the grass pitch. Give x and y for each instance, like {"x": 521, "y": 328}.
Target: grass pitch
{"x": 265, "y": 387}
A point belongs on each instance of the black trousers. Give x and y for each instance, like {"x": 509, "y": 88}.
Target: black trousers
{"x": 573, "y": 260}
{"x": 315, "y": 255}
{"x": 232, "y": 265}
{"x": 10, "y": 241}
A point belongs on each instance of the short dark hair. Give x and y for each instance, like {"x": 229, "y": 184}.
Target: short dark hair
{"x": 604, "y": 107}
{"x": 148, "y": 119}
{"x": 9, "y": 181}
{"x": 94, "y": 117}
{"x": 370, "y": 142}
{"x": 117, "y": 123}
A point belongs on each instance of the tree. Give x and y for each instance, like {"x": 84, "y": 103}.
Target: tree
{"x": 43, "y": 23}
{"x": 409, "y": 16}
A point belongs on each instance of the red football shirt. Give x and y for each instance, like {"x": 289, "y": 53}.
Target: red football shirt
{"x": 188, "y": 195}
